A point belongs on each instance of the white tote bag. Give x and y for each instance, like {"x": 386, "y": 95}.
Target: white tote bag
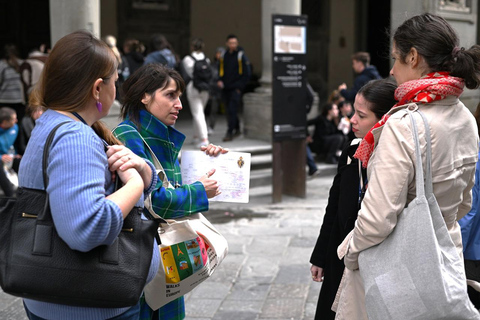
{"x": 416, "y": 272}
{"x": 191, "y": 250}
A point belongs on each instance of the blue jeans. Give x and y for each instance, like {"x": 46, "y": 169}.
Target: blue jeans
{"x": 131, "y": 314}
{"x": 312, "y": 166}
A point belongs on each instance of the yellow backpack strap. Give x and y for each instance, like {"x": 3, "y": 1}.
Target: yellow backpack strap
{"x": 240, "y": 66}
{"x": 221, "y": 71}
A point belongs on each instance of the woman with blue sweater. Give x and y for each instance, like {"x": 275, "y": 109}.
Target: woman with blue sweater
{"x": 78, "y": 87}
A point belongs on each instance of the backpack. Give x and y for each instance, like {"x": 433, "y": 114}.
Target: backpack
{"x": 202, "y": 74}
{"x": 240, "y": 64}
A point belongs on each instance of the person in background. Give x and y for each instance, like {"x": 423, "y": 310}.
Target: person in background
{"x": 311, "y": 164}
{"x": 197, "y": 98}
{"x": 431, "y": 71}
{"x": 215, "y": 99}
{"x": 8, "y": 135}
{"x": 27, "y": 125}
{"x": 31, "y": 69}
{"x": 365, "y": 72}
{"x": 234, "y": 72}
{"x": 133, "y": 53}
{"x": 327, "y": 139}
{"x": 345, "y": 114}
{"x": 372, "y": 101}
{"x": 470, "y": 225}
{"x": 78, "y": 87}
{"x": 151, "y": 108}
{"x": 335, "y": 97}
{"x": 11, "y": 87}
{"x": 162, "y": 52}
{"x": 123, "y": 68}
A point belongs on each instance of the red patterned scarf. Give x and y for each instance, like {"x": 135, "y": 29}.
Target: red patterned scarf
{"x": 431, "y": 87}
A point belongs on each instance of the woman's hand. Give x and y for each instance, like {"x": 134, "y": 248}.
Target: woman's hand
{"x": 213, "y": 150}
{"x": 120, "y": 159}
{"x": 6, "y": 158}
{"x": 341, "y": 87}
{"x": 210, "y": 185}
{"x": 317, "y": 273}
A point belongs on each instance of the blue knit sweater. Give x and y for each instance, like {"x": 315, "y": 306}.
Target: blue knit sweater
{"x": 79, "y": 180}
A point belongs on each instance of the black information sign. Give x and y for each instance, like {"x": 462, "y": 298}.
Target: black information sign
{"x": 289, "y": 70}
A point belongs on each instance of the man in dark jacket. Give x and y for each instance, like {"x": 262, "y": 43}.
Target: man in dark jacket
{"x": 234, "y": 73}
{"x": 366, "y": 72}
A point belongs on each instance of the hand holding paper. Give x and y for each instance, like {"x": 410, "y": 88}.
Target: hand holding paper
{"x": 210, "y": 185}
{"x": 232, "y": 173}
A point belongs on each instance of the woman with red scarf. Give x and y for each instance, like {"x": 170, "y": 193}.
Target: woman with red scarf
{"x": 431, "y": 72}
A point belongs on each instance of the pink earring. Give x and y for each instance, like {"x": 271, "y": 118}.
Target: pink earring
{"x": 99, "y": 106}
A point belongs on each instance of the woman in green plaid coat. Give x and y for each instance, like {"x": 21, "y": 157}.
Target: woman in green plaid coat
{"x": 151, "y": 108}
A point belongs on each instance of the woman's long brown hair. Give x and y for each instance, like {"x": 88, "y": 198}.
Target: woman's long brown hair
{"x": 74, "y": 64}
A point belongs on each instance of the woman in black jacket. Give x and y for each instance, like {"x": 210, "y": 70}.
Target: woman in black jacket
{"x": 372, "y": 101}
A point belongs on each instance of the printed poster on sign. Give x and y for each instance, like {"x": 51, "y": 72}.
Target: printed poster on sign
{"x": 290, "y": 39}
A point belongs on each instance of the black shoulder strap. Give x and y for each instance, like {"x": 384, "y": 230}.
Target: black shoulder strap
{"x": 46, "y": 151}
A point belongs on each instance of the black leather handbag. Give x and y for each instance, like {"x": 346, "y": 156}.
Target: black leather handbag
{"x": 35, "y": 263}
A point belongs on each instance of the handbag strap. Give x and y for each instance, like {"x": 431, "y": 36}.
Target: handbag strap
{"x": 428, "y": 169}
{"x": 46, "y": 215}
{"x": 46, "y": 152}
{"x": 422, "y": 188}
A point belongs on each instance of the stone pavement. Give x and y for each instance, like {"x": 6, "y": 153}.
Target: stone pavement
{"x": 266, "y": 274}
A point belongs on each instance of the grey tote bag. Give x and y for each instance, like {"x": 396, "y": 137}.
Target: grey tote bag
{"x": 416, "y": 272}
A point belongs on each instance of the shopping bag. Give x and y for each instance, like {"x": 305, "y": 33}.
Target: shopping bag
{"x": 416, "y": 272}
{"x": 190, "y": 252}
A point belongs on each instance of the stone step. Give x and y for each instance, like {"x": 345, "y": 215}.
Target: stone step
{"x": 254, "y": 149}
{"x": 263, "y": 176}
{"x": 261, "y": 161}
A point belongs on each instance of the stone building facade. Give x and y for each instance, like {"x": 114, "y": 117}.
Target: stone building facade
{"x": 336, "y": 29}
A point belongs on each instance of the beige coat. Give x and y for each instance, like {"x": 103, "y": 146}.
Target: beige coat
{"x": 391, "y": 184}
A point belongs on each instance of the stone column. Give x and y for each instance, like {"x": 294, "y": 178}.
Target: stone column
{"x": 67, "y": 16}
{"x": 270, "y": 7}
{"x": 257, "y": 111}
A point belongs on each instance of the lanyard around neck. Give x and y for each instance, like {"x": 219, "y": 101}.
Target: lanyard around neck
{"x": 80, "y": 117}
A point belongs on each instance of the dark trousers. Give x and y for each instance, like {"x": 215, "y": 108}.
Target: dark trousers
{"x": 212, "y": 110}
{"x": 232, "y": 100}
{"x": 331, "y": 144}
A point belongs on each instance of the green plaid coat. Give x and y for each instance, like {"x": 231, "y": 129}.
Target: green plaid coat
{"x": 184, "y": 200}
{"x": 166, "y": 143}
